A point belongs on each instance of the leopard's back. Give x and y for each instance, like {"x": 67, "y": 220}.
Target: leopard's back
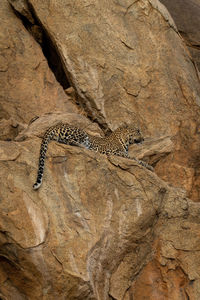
{"x": 117, "y": 142}
{"x": 106, "y": 145}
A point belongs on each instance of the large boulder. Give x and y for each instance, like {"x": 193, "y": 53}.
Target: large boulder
{"x": 90, "y": 228}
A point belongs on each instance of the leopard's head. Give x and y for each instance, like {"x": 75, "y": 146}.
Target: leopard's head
{"x": 134, "y": 135}
{"x": 128, "y": 135}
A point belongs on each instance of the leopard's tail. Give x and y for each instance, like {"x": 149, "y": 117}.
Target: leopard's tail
{"x": 43, "y": 149}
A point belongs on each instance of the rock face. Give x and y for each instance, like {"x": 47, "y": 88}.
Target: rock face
{"x": 27, "y": 86}
{"x": 128, "y": 55}
{"x": 186, "y": 14}
{"x": 99, "y": 227}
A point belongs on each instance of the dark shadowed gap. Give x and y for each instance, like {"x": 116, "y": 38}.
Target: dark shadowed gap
{"x": 41, "y": 36}
{"x": 49, "y": 49}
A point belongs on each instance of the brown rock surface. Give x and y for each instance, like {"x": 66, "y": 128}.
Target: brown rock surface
{"x": 99, "y": 227}
{"x": 90, "y": 226}
{"x": 108, "y": 66}
{"x": 186, "y": 14}
{"x": 175, "y": 271}
{"x": 27, "y": 86}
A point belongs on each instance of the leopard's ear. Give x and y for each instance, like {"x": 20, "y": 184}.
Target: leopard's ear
{"x": 134, "y": 127}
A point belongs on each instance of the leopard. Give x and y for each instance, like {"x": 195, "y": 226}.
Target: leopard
{"x": 116, "y": 143}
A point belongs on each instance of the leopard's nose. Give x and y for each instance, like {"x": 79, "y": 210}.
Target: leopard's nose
{"x": 139, "y": 140}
